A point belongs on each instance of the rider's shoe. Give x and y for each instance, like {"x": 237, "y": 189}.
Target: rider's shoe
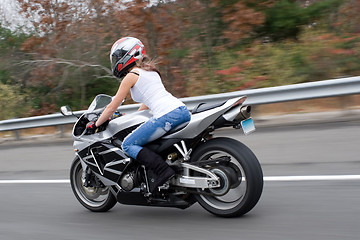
{"x": 154, "y": 162}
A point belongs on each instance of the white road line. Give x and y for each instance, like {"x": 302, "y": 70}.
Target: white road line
{"x": 311, "y": 178}
{"x": 34, "y": 181}
{"x": 266, "y": 179}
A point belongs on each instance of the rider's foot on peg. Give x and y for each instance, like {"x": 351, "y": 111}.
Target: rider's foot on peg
{"x": 154, "y": 162}
{"x": 166, "y": 175}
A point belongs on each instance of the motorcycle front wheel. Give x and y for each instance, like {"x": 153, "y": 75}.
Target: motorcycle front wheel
{"x": 96, "y": 199}
{"x": 241, "y": 179}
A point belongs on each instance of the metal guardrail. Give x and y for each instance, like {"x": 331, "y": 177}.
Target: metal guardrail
{"x": 303, "y": 91}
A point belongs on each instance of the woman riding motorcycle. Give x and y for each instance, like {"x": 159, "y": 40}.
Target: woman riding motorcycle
{"x": 143, "y": 80}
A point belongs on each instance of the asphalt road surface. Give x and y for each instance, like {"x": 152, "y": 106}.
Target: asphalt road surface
{"x": 311, "y": 191}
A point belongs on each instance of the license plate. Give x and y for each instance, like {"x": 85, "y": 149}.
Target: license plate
{"x": 248, "y": 126}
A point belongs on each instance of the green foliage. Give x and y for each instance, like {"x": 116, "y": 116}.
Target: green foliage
{"x": 12, "y": 96}
{"x": 10, "y": 40}
{"x": 286, "y": 18}
{"x": 12, "y": 102}
{"x": 320, "y": 9}
{"x": 178, "y": 53}
{"x": 4, "y": 76}
{"x": 316, "y": 55}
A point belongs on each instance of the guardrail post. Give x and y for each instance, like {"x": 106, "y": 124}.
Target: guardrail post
{"x": 17, "y": 135}
{"x": 61, "y": 131}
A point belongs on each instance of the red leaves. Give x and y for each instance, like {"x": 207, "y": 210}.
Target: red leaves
{"x": 183, "y": 35}
{"x": 31, "y": 43}
{"x": 230, "y": 71}
{"x": 241, "y": 20}
{"x": 343, "y": 51}
{"x": 252, "y": 83}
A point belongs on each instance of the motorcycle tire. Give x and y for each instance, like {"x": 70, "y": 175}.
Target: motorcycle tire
{"x": 95, "y": 199}
{"x": 237, "y": 198}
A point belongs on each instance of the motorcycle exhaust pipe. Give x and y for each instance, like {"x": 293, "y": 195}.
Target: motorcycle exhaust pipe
{"x": 245, "y": 112}
{"x": 228, "y": 119}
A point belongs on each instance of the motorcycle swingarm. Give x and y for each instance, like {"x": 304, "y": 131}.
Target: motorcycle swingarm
{"x": 210, "y": 180}
{"x": 225, "y": 159}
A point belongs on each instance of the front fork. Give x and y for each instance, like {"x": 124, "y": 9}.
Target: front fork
{"x": 87, "y": 177}
{"x": 90, "y": 180}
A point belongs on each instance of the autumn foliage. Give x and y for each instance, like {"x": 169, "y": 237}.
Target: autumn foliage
{"x": 201, "y": 46}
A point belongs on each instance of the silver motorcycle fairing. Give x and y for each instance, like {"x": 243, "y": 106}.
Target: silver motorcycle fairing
{"x": 116, "y": 125}
{"x": 104, "y": 180}
{"x": 126, "y": 121}
{"x": 105, "y": 159}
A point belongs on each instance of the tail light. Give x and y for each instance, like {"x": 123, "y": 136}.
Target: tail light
{"x": 240, "y": 101}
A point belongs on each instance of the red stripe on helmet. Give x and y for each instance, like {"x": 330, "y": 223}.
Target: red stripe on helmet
{"x": 130, "y": 61}
{"x": 137, "y": 47}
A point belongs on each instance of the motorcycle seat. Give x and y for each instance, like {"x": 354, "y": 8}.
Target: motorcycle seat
{"x": 202, "y": 107}
{"x": 175, "y": 129}
{"x": 161, "y": 144}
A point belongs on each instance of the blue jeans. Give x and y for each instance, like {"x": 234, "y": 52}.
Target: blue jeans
{"x": 153, "y": 129}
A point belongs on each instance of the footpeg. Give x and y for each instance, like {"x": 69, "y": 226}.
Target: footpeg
{"x": 165, "y": 186}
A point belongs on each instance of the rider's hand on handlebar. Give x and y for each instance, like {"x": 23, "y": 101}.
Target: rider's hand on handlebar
{"x": 91, "y": 127}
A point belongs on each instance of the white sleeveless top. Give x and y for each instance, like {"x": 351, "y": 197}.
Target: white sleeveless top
{"x": 150, "y": 90}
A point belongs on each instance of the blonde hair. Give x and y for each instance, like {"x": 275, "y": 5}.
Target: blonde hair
{"x": 147, "y": 64}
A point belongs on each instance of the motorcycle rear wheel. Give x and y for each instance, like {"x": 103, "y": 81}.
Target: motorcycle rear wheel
{"x": 95, "y": 199}
{"x": 244, "y": 194}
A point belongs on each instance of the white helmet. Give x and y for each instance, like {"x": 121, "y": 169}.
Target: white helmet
{"x": 124, "y": 53}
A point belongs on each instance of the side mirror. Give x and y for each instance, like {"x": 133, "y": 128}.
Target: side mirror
{"x": 66, "y": 111}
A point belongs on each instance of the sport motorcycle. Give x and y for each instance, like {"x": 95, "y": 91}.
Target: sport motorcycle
{"x": 221, "y": 174}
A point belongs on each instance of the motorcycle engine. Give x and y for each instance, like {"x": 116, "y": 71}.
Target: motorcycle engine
{"x": 128, "y": 181}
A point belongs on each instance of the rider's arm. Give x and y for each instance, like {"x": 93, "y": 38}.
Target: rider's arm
{"x": 143, "y": 107}
{"x": 124, "y": 88}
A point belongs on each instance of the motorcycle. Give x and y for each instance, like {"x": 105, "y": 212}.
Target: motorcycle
{"x": 221, "y": 174}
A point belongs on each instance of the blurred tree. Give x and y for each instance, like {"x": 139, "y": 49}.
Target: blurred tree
{"x": 10, "y": 99}
{"x": 83, "y": 31}
{"x": 67, "y": 49}
{"x": 201, "y": 46}
{"x": 12, "y": 95}
{"x": 286, "y": 17}
{"x": 347, "y": 19}
{"x": 206, "y": 28}
{"x": 241, "y": 18}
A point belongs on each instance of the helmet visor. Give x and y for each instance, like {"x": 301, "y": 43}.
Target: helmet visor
{"x": 116, "y": 56}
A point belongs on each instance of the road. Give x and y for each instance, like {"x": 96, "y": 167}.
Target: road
{"x": 290, "y": 209}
